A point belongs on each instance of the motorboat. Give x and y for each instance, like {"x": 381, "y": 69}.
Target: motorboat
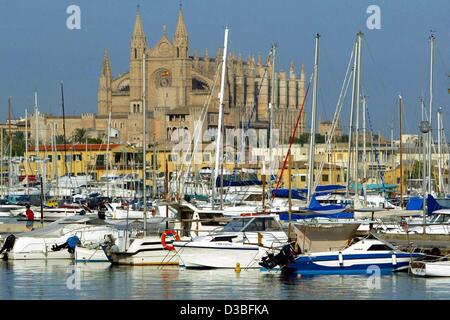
{"x": 243, "y": 240}
{"x": 359, "y": 257}
{"x": 47, "y": 243}
{"x": 133, "y": 247}
{"x": 430, "y": 268}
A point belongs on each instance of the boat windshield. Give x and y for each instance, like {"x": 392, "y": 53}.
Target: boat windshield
{"x": 236, "y": 225}
{"x": 264, "y": 224}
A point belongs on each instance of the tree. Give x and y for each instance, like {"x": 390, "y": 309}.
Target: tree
{"x": 18, "y": 144}
{"x": 79, "y": 135}
{"x": 94, "y": 140}
{"x": 59, "y": 139}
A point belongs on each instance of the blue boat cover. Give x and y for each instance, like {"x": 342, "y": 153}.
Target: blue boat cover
{"x": 433, "y": 205}
{"x": 340, "y": 215}
{"x": 237, "y": 183}
{"x": 284, "y": 193}
{"x": 327, "y": 188}
{"x": 414, "y": 203}
{"x": 314, "y": 205}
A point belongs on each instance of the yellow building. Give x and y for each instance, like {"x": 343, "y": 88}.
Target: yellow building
{"x": 79, "y": 159}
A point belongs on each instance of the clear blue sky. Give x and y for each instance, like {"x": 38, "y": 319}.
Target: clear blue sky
{"x": 37, "y": 51}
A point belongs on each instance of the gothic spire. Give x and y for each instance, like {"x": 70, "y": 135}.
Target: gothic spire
{"x": 138, "y": 28}
{"x": 180, "y": 31}
{"x": 106, "y": 66}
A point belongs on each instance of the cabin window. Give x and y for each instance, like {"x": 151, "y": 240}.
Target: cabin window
{"x": 263, "y": 224}
{"x": 379, "y": 247}
{"x": 235, "y": 225}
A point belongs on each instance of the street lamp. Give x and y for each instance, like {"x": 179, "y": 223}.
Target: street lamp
{"x": 424, "y": 127}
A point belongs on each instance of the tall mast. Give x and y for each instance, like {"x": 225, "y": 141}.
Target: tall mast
{"x": 357, "y": 100}
{"x": 364, "y": 159}
{"x": 108, "y": 132}
{"x": 441, "y": 182}
{"x": 432, "y": 38}
{"x": 10, "y": 146}
{"x": 1, "y": 160}
{"x": 219, "y": 124}
{"x": 313, "y": 120}
{"x": 350, "y": 131}
{"x": 36, "y": 127}
{"x": 271, "y": 104}
{"x": 401, "y": 150}
{"x": 144, "y": 141}
{"x": 64, "y": 129}
{"x": 26, "y": 149}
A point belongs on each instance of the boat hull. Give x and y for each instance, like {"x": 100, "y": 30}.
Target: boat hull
{"x": 431, "y": 269}
{"x": 90, "y": 255}
{"x": 218, "y": 255}
{"x": 351, "y": 263}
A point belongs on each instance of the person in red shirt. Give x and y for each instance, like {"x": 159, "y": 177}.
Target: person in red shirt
{"x": 30, "y": 217}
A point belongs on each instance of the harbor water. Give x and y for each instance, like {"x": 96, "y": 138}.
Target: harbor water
{"x": 32, "y": 280}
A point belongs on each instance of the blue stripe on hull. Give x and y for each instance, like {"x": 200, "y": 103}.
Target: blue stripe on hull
{"x": 314, "y": 269}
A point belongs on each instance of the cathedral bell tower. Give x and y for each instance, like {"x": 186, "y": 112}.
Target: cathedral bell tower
{"x": 180, "y": 39}
{"x": 104, "y": 93}
{"x": 137, "y": 48}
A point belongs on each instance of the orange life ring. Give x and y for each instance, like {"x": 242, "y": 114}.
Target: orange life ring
{"x": 163, "y": 239}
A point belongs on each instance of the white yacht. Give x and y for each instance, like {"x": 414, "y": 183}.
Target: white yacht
{"x": 42, "y": 244}
{"x": 243, "y": 241}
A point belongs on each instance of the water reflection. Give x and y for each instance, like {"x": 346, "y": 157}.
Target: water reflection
{"x": 48, "y": 280}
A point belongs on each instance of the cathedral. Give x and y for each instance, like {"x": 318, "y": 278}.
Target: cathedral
{"x": 182, "y": 89}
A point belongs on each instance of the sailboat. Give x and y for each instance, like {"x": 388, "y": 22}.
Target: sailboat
{"x": 143, "y": 249}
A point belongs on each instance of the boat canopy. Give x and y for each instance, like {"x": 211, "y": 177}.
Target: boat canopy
{"x": 414, "y": 203}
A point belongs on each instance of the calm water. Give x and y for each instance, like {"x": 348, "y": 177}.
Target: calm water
{"x": 48, "y": 280}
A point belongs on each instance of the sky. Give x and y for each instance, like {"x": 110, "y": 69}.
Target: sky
{"x": 38, "y": 51}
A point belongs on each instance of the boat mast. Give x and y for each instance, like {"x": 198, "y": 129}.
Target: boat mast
{"x": 401, "y": 150}
{"x": 271, "y": 104}
{"x": 55, "y": 158}
{"x": 10, "y": 146}
{"x": 432, "y": 38}
{"x": 26, "y": 150}
{"x": 313, "y": 120}
{"x": 439, "y": 119}
{"x": 219, "y": 124}
{"x": 350, "y": 132}
{"x": 364, "y": 159}
{"x": 1, "y": 160}
{"x": 107, "y": 152}
{"x": 64, "y": 130}
{"x": 144, "y": 141}
{"x": 357, "y": 99}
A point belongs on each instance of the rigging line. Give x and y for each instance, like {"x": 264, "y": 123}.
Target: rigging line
{"x": 376, "y": 153}
{"x": 255, "y": 105}
{"x": 195, "y": 139}
{"x": 294, "y": 132}
{"x": 340, "y": 103}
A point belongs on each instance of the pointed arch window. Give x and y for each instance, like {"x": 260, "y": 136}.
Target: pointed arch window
{"x": 178, "y": 52}
{"x": 135, "y": 53}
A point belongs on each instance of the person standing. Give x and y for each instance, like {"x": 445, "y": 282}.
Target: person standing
{"x": 30, "y": 217}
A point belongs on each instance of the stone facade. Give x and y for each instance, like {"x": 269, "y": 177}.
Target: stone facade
{"x": 179, "y": 87}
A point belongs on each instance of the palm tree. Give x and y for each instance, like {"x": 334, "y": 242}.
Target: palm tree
{"x": 79, "y": 135}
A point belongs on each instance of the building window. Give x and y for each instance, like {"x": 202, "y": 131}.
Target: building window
{"x": 49, "y": 158}
{"x": 135, "y": 53}
{"x": 206, "y": 157}
{"x": 302, "y": 178}
{"x": 325, "y": 177}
